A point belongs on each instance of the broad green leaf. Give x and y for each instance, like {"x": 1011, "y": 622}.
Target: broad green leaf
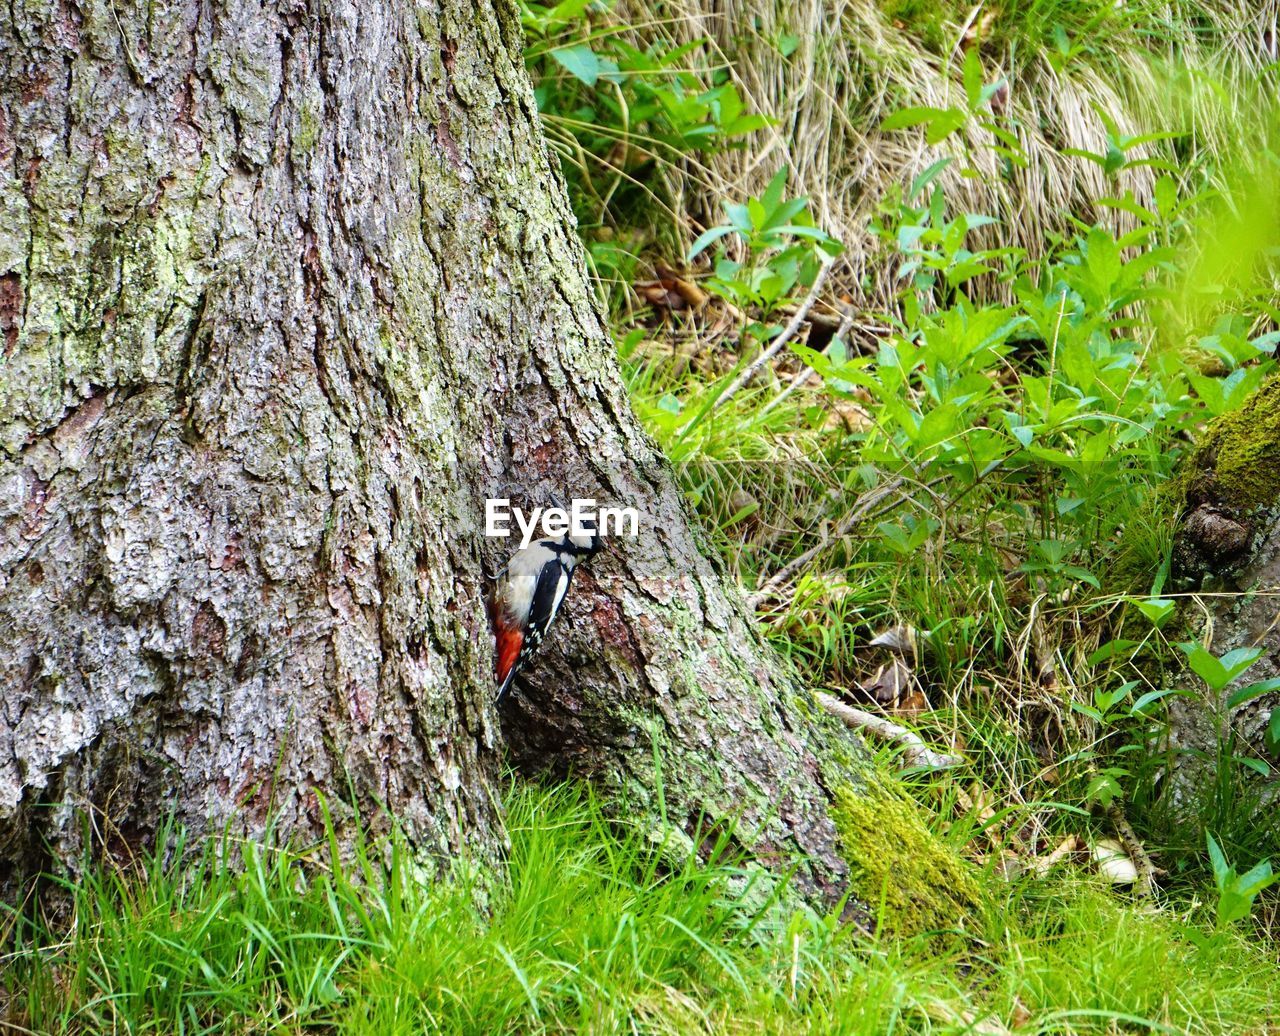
{"x": 950, "y": 120}
{"x": 706, "y": 238}
{"x": 579, "y": 61}
{"x": 1253, "y": 690}
{"x": 973, "y": 77}
{"x": 1217, "y": 861}
{"x": 1218, "y": 672}
{"x": 772, "y": 196}
{"x": 927, "y": 177}
{"x": 1156, "y": 609}
{"x": 1139, "y": 707}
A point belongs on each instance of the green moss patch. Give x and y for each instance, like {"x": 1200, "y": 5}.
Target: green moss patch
{"x": 899, "y": 867}
{"x": 1241, "y": 453}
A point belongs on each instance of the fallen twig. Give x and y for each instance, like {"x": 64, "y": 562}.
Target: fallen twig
{"x": 864, "y": 503}
{"x": 917, "y": 753}
{"x": 779, "y": 340}
{"x": 1147, "y": 871}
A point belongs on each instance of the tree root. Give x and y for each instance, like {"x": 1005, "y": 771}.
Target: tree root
{"x": 917, "y": 753}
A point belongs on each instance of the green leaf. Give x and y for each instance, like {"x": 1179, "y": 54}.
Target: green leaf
{"x": 813, "y": 233}
{"x": 905, "y": 118}
{"x": 785, "y": 212}
{"x": 1253, "y": 690}
{"x": 567, "y": 10}
{"x": 772, "y": 196}
{"x": 944, "y": 125}
{"x": 1259, "y": 766}
{"x": 1156, "y": 609}
{"x": 579, "y": 61}
{"x": 973, "y": 78}
{"x": 1083, "y": 574}
{"x": 1206, "y": 666}
{"x": 706, "y": 238}
{"x": 1218, "y": 672}
{"x": 1237, "y": 661}
{"x": 1221, "y": 869}
{"x": 739, "y": 215}
{"x": 1076, "y": 152}
{"x": 1256, "y": 879}
{"x": 927, "y": 177}
{"x": 1139, "y": 707}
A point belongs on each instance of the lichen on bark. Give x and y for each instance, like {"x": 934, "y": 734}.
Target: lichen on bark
{"x": 1240, "y": 453}
{"x": 1229, "y": 489}
{"x": 1228, "y": 540}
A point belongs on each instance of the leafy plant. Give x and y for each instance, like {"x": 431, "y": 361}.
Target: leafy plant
{"x": 783, "y": 246}
{"x": 626, "y": 116}
{"x": 1236, "y": 892}
{"x": 1116, "y": 156}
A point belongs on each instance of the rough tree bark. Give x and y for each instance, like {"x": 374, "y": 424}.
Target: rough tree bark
{"x": 1228, "y": 545}
{"x": 286, "y": 290}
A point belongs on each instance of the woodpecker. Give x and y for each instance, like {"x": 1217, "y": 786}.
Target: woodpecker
{"x": 528, "y": 595}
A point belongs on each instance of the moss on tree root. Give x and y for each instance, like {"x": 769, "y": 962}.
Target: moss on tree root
{"x": 1238, "y": 459}
{"x": 898, "y": 867}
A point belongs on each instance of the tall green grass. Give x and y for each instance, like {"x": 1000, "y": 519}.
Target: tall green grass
{"x": 592, "y": 929}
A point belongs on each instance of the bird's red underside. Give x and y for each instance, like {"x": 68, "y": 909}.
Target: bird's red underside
{"x": 509, "y": 642}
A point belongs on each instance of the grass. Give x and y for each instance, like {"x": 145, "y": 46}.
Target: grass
{"x": 827, "y": 76}
{"x": 592, "y": 929}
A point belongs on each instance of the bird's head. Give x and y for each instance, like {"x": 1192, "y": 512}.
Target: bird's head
{"x": 589, "y": 542}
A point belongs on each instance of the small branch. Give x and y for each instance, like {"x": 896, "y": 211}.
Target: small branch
{"x": 1147, "y": 871}
{"x": 917, "y": 752}
{"x": 779, "y": 340}
{"x": 859, "y": 511}
{"x": 803, "y": 377}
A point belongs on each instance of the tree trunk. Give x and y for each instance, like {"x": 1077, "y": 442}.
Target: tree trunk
{"x": 286, "y": 292}
{"x": 1229, "y": 544}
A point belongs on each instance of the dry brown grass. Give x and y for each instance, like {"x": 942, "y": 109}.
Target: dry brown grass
{"x": 852, "y": 67}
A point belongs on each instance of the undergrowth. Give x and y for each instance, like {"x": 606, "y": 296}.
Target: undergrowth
{"x": 592, "y": 928}
{"x": 974, "y": 449}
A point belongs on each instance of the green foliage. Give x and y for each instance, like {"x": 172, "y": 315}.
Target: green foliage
{"x": 1013, "y": 414}
{"x": 783, "y": 247}
{"x": 1217, "y": 672}
{"x": 594, "y": 927}
{"x": 941, "y": 123}
{"x": 623, "y": 116}
{"x": 1236, "y": 892}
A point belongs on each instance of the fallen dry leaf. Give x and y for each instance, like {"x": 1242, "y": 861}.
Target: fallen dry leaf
{"x": 891, "y": 683}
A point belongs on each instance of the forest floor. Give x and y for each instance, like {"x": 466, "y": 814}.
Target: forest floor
{"x": 992, "y": 272}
